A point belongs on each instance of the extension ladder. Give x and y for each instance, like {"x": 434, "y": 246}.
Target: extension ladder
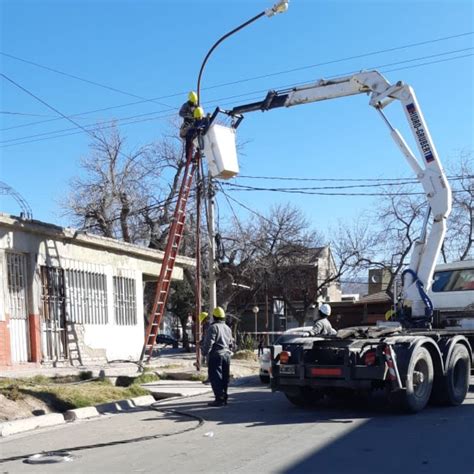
{"x": 171, "y": 252}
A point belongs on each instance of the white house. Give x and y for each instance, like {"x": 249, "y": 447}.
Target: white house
{"x": 71, "y": 298}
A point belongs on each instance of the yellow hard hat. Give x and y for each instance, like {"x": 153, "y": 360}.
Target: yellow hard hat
{"x": 218, "y": 313}
{"x": 193, "y": 97}
{"x": 198, "y": 113}
{"x": 203, "y": 316}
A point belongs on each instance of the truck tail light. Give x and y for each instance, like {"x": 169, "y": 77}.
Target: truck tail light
{"x": 370, "y": 358}
{"x": 326, "y": 371}
{"x": 284, "y": 357}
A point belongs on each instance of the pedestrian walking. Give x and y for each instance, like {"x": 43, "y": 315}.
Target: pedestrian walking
{"x": 217, "y": 347}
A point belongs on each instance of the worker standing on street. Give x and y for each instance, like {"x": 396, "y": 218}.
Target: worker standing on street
{"x": 322, "y": 326}
{"x": 217, "y": 346}
{"x": 204, "y": 321}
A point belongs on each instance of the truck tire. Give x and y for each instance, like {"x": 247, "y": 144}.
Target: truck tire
{"x": 454, "y": 386}
{"x": 303, "y": 397}
{"x": 419, "y": 383}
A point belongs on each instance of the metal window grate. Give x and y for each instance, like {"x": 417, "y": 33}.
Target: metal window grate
{"x": 125, "y": 303}
{"x": 86, "y": 297}
{"x": 16, "y": 264}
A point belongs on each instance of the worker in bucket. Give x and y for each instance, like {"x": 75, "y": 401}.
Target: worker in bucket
{"x": 217, "y": 347}
{"x": 322, "y": 326}
{"x": 190, "y": 112}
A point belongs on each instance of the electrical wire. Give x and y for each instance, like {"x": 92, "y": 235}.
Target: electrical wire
{"x": 231, "y": 208}
{"x": 94, "y": 128}
{"x": 57, "y": 451}
{"x": 78, "y": 78}
{"x": 339, "y": 60}
{"x": 287, "y": 86}
{"x": 318, "y": 193}
{"x": 293, "y": 178}
{"x": 320, "y": 188}
{"x": 6, "y": 112}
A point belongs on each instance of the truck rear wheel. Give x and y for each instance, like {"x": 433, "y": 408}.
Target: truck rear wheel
{"x": 454, "y": 385}
{"x": 419, "y": 381}
{"x": 303, "y": 396}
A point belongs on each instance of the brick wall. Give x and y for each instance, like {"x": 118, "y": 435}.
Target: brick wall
{"x": 5, "y": 350}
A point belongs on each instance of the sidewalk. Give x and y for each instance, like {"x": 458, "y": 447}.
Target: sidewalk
{"x": 169, "y": 361}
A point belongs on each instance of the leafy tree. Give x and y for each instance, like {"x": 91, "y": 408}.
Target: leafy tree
{"x": 181, "y": 303}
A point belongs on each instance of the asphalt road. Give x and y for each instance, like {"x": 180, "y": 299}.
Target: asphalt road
{"x": 259, "y": 432}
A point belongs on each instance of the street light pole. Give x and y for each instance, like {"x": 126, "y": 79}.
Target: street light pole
{"x": 255, "y": 310}
{"x": 279, "y": 7}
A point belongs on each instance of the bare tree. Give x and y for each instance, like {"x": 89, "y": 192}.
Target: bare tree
{"x": 459, "y": 242}
{"x": 397, "y": 221}
{"x": 277, "y": 254}
{"x": 127, "y": 194}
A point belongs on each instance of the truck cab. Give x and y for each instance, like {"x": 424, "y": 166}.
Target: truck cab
{"x": 452, "y": 293}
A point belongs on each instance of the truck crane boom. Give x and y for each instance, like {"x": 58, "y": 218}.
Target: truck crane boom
{"x": 428, "y": 169}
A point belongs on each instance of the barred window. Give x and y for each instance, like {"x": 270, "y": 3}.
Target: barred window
{"x": 86, "y": 297}
{"x": 125, "y": 303}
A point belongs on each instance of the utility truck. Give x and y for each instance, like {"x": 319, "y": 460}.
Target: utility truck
{"x": 414, "y": 358}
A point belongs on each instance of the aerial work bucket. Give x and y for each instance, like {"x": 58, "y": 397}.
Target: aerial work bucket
{"x": 221, "y": 152}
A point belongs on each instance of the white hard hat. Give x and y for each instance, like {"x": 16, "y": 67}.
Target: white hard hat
{"x": 325, "y": 309}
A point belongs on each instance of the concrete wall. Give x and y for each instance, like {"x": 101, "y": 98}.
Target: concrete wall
{"x": 326, "y": 268}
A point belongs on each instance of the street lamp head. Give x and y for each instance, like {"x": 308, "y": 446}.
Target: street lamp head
{"x": 279, "y": 7}
{"x": 255, "y": 309}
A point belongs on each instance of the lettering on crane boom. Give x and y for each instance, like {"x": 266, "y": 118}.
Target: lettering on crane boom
{"x": 420, "y": 132}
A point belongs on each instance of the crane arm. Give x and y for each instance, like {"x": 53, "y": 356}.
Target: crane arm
{"x": 427, "y": 168}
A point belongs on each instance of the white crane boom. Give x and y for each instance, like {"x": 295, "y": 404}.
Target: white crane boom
{"x": 427, "y": 168}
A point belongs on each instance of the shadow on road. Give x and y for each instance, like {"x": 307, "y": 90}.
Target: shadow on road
{"x": 376, "y": 438}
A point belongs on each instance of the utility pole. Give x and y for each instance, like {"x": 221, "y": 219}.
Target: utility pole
{"x": 212, "y": 245}
{"x": 267, "y": 342}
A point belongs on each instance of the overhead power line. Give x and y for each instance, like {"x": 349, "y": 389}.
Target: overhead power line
{"x": 313, "y": 191}
{"x": 92, "y": 128}
{"x": 7, "y": 112}
{"x": 239, "y": 81}
{"x": 339, "y": 187}
{"x": 8, "y": 142}
{"x": 82, "y": 79}
{"x": 397, "y": 181}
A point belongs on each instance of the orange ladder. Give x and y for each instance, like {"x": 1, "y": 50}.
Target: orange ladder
{"x": 171, "y": 252}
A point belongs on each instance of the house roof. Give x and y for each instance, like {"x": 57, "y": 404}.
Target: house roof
{"x": 73, "y": 236}
{"x": 301, "y": 255}
{"x": 379, "y": 297}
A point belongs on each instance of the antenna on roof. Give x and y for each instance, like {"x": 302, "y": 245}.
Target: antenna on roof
{"x": 26, "y": 212}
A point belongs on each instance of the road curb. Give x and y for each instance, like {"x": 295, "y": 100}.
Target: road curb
{"x": 81, "y": 414}
{"x": 8, "y": 428}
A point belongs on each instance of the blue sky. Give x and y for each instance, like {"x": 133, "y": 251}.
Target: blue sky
{"x": 153, "y": 49}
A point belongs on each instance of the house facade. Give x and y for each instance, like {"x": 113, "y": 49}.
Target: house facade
{"x": 69, "y": 297}
{"x": 301, "y": 282}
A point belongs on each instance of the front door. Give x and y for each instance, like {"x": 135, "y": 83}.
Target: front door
{"x": 17, "y": 307}
{"x": 54, "y": 314}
